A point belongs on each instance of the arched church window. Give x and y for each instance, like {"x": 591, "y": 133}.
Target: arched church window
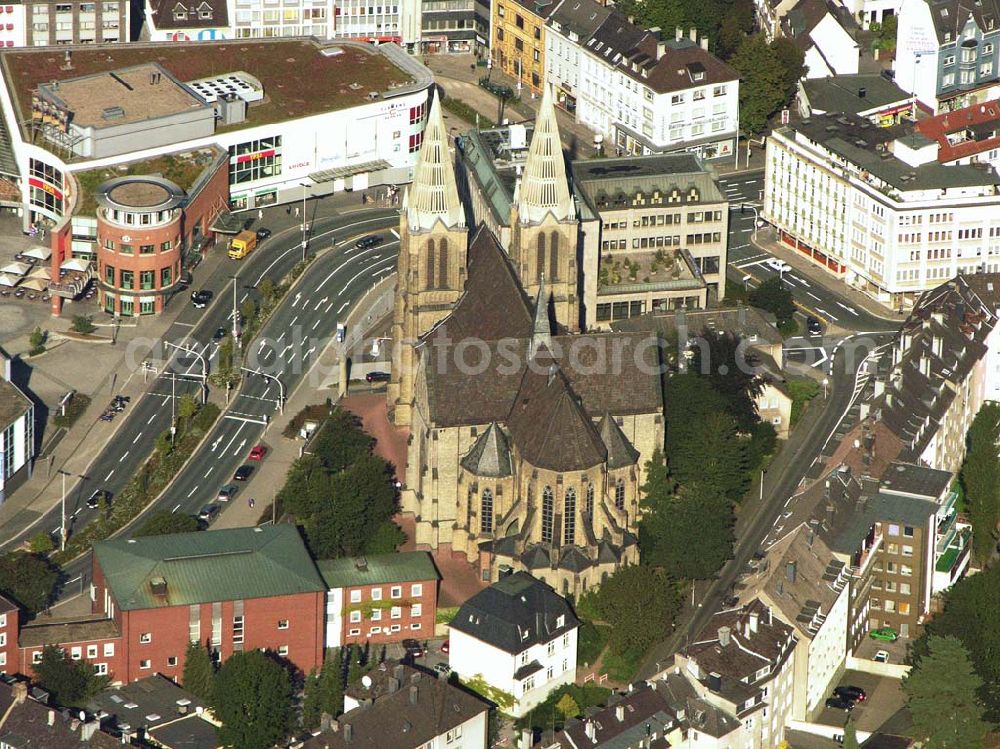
{"x": 486, "y": 512}
{"x": 540, "y": 257}
{"x": 589, "y": 501}
{"x": 548, "y": 512}
{"x": 430, "y": 265}
{"x": 620, "y": 494}
{"x": 443, "y": 263}
{"x": 554, "y": 256}
{"x": 569, "y": 517}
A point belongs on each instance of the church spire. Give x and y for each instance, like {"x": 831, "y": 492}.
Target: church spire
{"x": 541, "y": 333}
{"x": 544, "y": 188}
{"x": 435, "y": 194}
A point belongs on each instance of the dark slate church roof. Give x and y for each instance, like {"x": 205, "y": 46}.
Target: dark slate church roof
{"x": 620, "y": 451}
{"x": 515, "y": 613}
{"x": 490, "y": 455}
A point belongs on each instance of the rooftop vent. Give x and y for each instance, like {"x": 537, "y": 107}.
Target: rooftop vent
{"x": 112, "y": 113}
{"x": 158, "y": 586}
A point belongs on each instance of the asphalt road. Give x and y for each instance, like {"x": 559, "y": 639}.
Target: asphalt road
{"x": 149, "y": 416}
{"x": 284, "y": 349}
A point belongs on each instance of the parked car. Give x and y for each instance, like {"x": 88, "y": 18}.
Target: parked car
{"x": 445, "y": 646}
{"x": 226, "y": 493}
{"x": 372, "y": 240}
{"x": 208, "y": 512}
{"x": 185, "y": 280}
{"x": 341, "y": 332}
{"x": 263, "y": 234}
{"x": 885, "y": 634}
{"x": 814, "y": 326}
{"x": 97, "y": 497}
{"x": 413, "y": 648}
{"x": 243, "y": 473}
{"x": 882, "y": 656}
{"x": 257, "y": 452}
{"x": 219, "y": 334}
{"x": 201, "y": 298}
{"x": 777, "y": 265}
{"x": 847, "y": 692}
{"x": 377, "y": 377}
{"x": 838, "y": 703}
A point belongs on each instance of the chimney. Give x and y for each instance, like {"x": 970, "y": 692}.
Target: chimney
{"x": 724, "y": 636}
{"x": 393, "y": 685}
{"x": 661, "y": 50}
{"x": 704, "y": 43}
{"x": 397, "y": 671}
{"x": 693, "y": 35}
{"x": 678, "y": 33}
{"x": 591, "y": 730}
{"x": 862, "y": 93}
{"x": 88, "y": 729}
{"x": 620, "y": 713}
{"x": 348, "y": 733}
{"x": 790, "y": 572}
{"x": 20, "y": 692}
{"x": 413, "y": 695}
{"x": 325, "y": 719}
{"x": 52, "y": 718}
{"x": 526, "y": 738}
{"x": 754, "y": 621}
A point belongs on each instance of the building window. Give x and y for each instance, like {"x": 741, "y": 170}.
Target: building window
{"x": 109, "y": 650}
{"x": 237, "y": 630}
{"x": 254, "y": 160}
{"x": 109, "y": 275}
{"x": 354, "y": 633}
{"x": 417, "y": 590}
{"x": 907, "y": 550}
{"x": 589, "y": 502}
{"x": 569, "y": 517}
{"x": 620, "y": 494}
{"x": 415, "y": 626}
{"x": 128, "y": 278}
{"x": 166, "y": 276}
{"x": 376, "y": 594}
{"x": 396, "y": 591}
{"x": 144, "y": 664}
{"x": 908, "y": 531}
{"x": 91, "y": 651}
{"x": 282, "y": 624}
{"x": 355, "y": 596}
{"x": 147, "y": 249}
{"x": 164, "y": 246}
{"x": 453, "y": 735}
{"x": 376, "y": 615}
{"x": 75, "y": 653}
{"x": 147, "y": 279}
{"x": 145, "y": 638}
{"x": 396, "y": 612}
{"x": 486, "y": 512}
{"x": 101, "y": 669}
{"x": 283, "y": 651}
{"x": 355, "y": 617}
{"x": 36, "y": 657}
{"x": 171, "y": 660}
{"x": 548, "y": 511}
{"x": 416, "y": 610}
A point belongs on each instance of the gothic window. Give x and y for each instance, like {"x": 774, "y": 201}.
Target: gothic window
{"x": 430, "y": 264}
{"x": 486, "y": 512}
{"x": 540, "y": 257}
{"x": 554, "y": 256}
{"x": 569, "y": 517}
{"x": 588, "y": 507}
{"x": 548, "y": 510}
{"x": 620, "y": 494}
{"x": 443, "y": 263}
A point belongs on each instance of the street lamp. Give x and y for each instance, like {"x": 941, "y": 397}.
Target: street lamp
{"x": 236, "y": 319}
{"x": 281, "y": 387}
{"x": 826, "y": 385}
{"x": 746, "y": 284}
{"x": 63, "y": 530}
{"x": 305, "y": 241}
{"x": 204, "y": 368}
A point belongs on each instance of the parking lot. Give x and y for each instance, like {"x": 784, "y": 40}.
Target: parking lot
{"x": 884, "y": 698}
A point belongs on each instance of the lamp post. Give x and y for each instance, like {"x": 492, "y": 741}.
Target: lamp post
{"x": 826, "y": 385}
{"x": 305, "y": 241}
{"x": 236, "y": 318}
{"x": 173, "y": 407}
{"x": 746, "y": 284}
{"x": 204, "y": 368}
{"x": 281, "y": 387}
{"x": 63, "y": 529}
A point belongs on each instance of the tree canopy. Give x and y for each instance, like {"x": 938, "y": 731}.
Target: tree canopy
{"x": 980, "y": 478}
{"x": 640, "y": 603}
{"x": 253, "y": 701}
{"x": 774, "y": 297}
{"x": 199, "y": 672}
{"x": 162, "y": 522}
{"x": 71, "y": 683}
{"x": 29, "y": 580}
{"x": 728, "y": 364}
{"x": 941, "y": 694}
{"x": 768, "y": 77}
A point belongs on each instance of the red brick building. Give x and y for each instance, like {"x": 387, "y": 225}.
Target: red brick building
{"x": 384, "y": 598}
{"x": 9, "y": 614}
{"x": 234, "y": 590}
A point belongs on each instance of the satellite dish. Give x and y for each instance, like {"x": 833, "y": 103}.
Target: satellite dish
{"x": 366, "y": 681}
{"x": 83, "y": 715}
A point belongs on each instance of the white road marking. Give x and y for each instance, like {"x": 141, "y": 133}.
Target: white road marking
{"x": 150, "y": 419}
{"x": 110, "y": 473}
{"x": 826, "y": 314}
{"x": 295, "y": 302}
{"x": 75, "y": 512}
{"x": 802, "y": 281}
{"x": 208, "y": 472}
{"x": 342, "y": 307}
{"x": 306, "y": 354}
{"x": 226, "y": 448}
{"x": 239, "y": 449}
{"x": 177, "y": 508}
{"x": 814, "y": 296}
{"x": 849, "y": 309}
{"x": 329, "y": 307}
{"x": 293, "y": 320}
{"x": 316, "y": 324}
{"x": 192, "y": 491}
{"x": 320, "y": 303}
{"x": 124, "y": 455}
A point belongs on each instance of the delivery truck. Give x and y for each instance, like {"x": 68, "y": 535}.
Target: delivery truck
{"x": 242, "y": 244}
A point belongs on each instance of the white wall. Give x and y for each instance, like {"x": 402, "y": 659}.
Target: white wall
{"x": 16, "y": 16}
{"x": 473, "y": 735}
{"x": 334, "y": 617}
{"x": 19, "y": 433}
{"x": 827, "y": 650}
{"x": 838, "y": 49}
{"x": 916, "y": 62}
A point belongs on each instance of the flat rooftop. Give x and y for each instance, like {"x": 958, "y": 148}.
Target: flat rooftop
{"x": 122, "y": 97}
{"x": 300, "y": 77}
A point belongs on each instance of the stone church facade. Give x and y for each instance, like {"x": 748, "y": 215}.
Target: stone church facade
{"x": 528, "y": 439}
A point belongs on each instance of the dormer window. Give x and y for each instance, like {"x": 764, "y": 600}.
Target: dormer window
{"x": 561, "y": 621}
{"x": 205, "y": 12}
{"x": 180, "y": 12}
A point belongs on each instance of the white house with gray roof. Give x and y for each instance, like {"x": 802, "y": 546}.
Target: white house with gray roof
{"x": 519, "y": 637}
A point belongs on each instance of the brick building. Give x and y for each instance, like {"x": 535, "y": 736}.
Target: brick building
{"x": 8, "y": 636}
{"x": 383, "y": 598}
{"x": 238, "y": 589}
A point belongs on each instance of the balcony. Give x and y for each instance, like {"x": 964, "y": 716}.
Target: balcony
{"x": 952, "y": 563}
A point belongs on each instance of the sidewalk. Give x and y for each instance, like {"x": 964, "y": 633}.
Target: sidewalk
{"x": 767, "y": 241}
{"x": 89, "y": 436}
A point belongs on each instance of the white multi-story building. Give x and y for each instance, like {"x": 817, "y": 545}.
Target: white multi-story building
{"x": 17, "y": 432}
{"x": 876, "y": 208}
{"x": 645, "y": 94}
{"x": 519, "y": 637}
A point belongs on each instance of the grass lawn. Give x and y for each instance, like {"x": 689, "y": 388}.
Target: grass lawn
{"x": 802, "y": 391}
{"x": 591, "y": 640}
{"x": 621, "y": 668}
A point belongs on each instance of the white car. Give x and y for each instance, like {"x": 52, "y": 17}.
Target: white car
{"x": 882, "y": 656}
{"x": 777, "y": 265}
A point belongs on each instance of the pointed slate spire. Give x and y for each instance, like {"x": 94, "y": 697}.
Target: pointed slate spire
{"x": 544, "y": 188}
{"x": 621, "y": 453}
{"x": 435, "y": 193}
{"x": 490, "y": 455}
{"x": 541, "y": 333}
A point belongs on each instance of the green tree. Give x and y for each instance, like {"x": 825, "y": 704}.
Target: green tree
{"x": 162, "y": 522}
{"x": 793, "y": 65}
{"x": 71, "y": 683}
{"x": 36, "y": 341}
{"x": 941, "y": 694}
{"x": 84, "y": 324}
{"x": 850, "y": 736}
{"x": 666, "y": 530}
{"x": 341, "y": 442}
{"x": 640, "y": 603}
{"x": 729, "y": 365}
{"x": 387, "y": 539}
{"x": 689, "y": 399}
{"x": 27, "y": 579}
{"x": 199, "y": 672}
{"x": 774, "y": 297}
{"x": 567, "y": 706}
{"x": 267, "y": 290}
{"x": 762, "y": 82}
{"x": 331, "y": 684}
{"x": 980, "y": 477}
{"x": 41, "y": 543}
{"x": 187, "y": 407}
{"x": 311, "y": 702}
{"x": 253, "y": 701}
{"x": 885, "y": 34}
{"x": 711, "y": 452}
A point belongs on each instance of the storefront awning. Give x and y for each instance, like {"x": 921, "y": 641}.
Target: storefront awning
{"x": 342, "y": 172}
{"x": 227, "y": 223}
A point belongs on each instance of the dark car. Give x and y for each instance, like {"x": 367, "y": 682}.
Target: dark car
{"x": 263, "y": 234}
{"x": 243, "y": 473}
{"x": 372, "y": 240}
{"x": 226, "y": 492}
{"x": 219, "y": 334}
{"x": 413, "y": 648}
{"x": 839, "y": 703}
{"x": 201, "y": 298}
{"x": 208, "y": 512}
{"x": 185, "y": 280}
{"x": 847, "y": 692}
{"x": 813, "y": 325}
{"x": 97, "y": 497}
{"x": 377, "y": 377}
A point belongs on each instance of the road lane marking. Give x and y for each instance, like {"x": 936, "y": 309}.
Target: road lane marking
{"x": 137, "y": 438}
{"x": 124, "y": 455}
{"x": 110, "y": 473}
{"x": 342, "y": 307}
{"x": 192, "y": 491}
{"x": 329, "y": 307}
{"x": 208, "y": 472}
{"x": 293, "y": 320}
{"x": 226, "y": 448}
{"x": 177, "y": 507}
{"x": 150, "y": 419}
{"x": 849, "y": 309}
{"x": 320, "y": 303}
{"x": 316, "y": 324}
{"x": 825, "y": 313}
{"x": 814, "y": 296}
